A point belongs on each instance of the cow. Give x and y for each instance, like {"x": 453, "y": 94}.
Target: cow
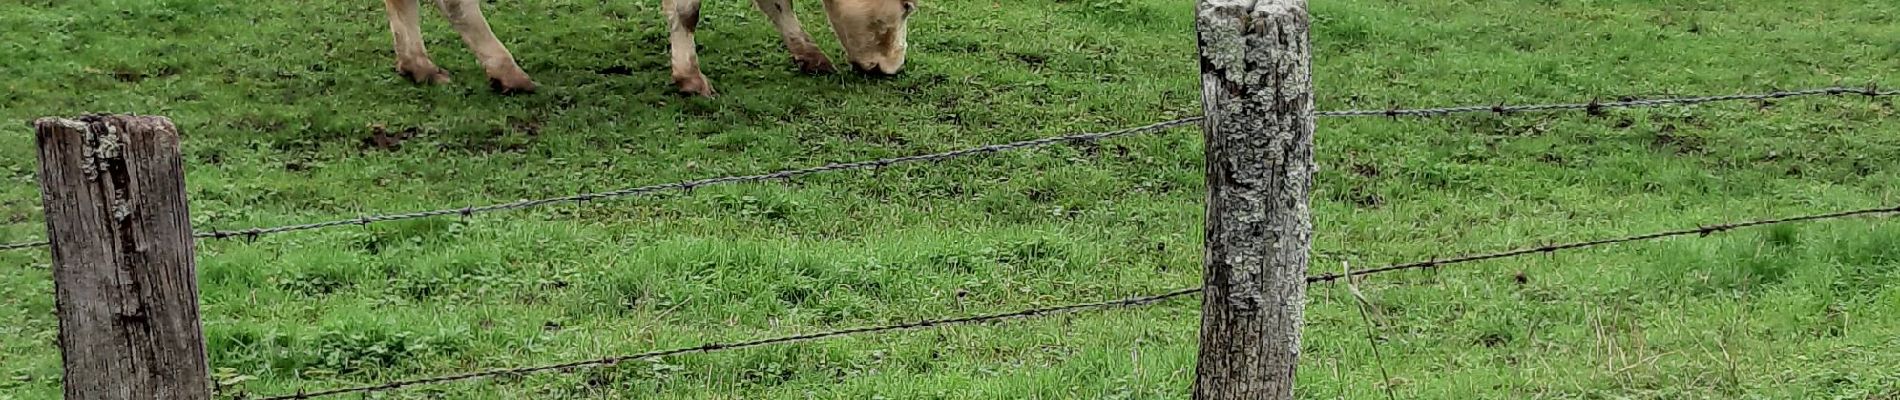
{"x": 872, "y": 33}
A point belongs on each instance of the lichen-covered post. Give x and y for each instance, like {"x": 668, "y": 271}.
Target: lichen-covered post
{"x": 1256, "y": 84}
{"x": 124, "y": 270}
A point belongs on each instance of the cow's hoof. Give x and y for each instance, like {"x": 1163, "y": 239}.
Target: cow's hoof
{"x": 694, "y": 85}
{"x": 520, "y": 85}
{"x": 813, "y": 63}
{"x": 424, "y": 74}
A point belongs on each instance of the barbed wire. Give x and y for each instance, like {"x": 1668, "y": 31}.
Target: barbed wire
{"x": 253, "y": 233}
{"x": 24, "y": 245}
{"x": 1595, "y": 107}
{"x": 1702, "y": 231}
{"x": 1592, "y": 107}
{"x": 1705, "y": 230}
{"x": 712, "y": 347}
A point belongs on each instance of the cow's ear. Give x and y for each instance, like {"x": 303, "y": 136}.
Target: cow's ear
{"x": 910, "y": 6}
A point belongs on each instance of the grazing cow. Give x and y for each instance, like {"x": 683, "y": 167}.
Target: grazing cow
{"x": 872, "y": 32}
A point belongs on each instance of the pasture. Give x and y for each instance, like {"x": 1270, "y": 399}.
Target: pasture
{"x": 292, "y": 113}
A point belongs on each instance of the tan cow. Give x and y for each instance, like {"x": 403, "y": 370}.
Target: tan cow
{"x": 872, "y": 32}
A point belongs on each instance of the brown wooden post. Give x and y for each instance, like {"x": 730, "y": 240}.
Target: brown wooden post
{"x": 123, "y": 258}
{"x": 1256, "y": 84}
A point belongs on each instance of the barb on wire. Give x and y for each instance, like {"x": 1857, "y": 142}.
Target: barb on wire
{"x": 1551, "y": 248}
{"x": 1596, "y": 107}
{"x": 714, "y": 347}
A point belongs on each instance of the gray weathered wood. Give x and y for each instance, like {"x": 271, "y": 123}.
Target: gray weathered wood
{"x": 1257, "y": 90}
{"x": 123, "y": 264}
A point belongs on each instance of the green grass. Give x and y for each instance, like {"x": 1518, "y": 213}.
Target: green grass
{"x": 276, "y": 98}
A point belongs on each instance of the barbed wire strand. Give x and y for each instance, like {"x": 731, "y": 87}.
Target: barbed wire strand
{"x": 24, "y": 245}
{"x": 683, "y": 185}
{"x": 712, "y": 347}
{"x": 1705, "y": 230}
{"x": 690, "y": 185}
{"x": 1593, "y": 107}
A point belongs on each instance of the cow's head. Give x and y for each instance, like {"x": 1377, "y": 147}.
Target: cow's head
{"x": 872, "y": 32}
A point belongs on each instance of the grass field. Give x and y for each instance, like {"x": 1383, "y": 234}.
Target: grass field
{"x": 277, "y": 98}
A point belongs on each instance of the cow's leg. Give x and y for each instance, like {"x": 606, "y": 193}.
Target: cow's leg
{"x": 804, "y": 51}
{"x": 503, "y": 74}
{"x": 682, "y": 17}
{"x": 412, "y": 60}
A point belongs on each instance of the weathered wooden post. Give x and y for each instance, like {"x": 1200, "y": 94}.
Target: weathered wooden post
{"x": 1256, "y": 84}
{"x": 123, "y": 259}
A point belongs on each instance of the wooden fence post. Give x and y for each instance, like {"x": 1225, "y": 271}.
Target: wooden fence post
{"x": 123, "y": 258}
{"x": 1256, "y": 84}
